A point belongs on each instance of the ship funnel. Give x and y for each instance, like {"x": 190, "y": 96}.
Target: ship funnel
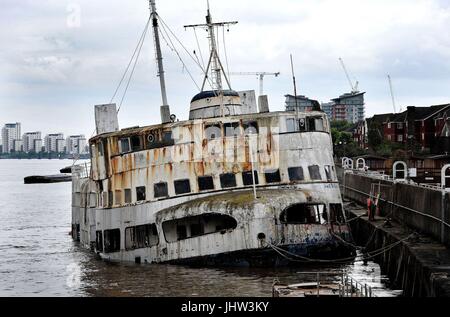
{"x": 263, "y": 102}
{"x": 106, "y": 120}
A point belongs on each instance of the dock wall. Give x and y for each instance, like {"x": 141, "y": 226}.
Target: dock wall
{"x": 423, "y": 209}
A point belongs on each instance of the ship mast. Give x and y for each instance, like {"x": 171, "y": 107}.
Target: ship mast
{"x": 214, "y": 64}
{"x": 165, "y": 109}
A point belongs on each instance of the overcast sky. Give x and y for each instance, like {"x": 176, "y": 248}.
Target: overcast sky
{"x": 59, "y": 58}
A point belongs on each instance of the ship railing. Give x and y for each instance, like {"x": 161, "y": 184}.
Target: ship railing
{"x": 81, "y": 170}
{"x": 347, "y": 286}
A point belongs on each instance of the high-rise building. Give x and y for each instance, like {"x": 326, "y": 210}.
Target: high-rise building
{"x": 301, "y": 104}
{"x": 54, "y": 143}
{"x": 76, "y": 144}
{"x": 18, "y": 145}
{"x": 10, "y": 133}
{"x": 348, "y": 107}
{"x": 32, "y": 142}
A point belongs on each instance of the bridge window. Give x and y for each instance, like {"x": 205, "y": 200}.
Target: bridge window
{"x": 296, "y": 174}
{"x": 136, "y": 143}
{"x": 101, "y": 151}
{"x": 272, "y": 176}
{"x": 304, "y": 214}
{"x": 112, "y": 240}
{"x": 247, "y": 178}
{"x": 231, "y": 129}
{"x": 125, "y": 145}
{"x": 127, "y": 196}
{"x": 228, "y": 180}
{"x": 140, "y": 237}
{"x": 314, "y": 173}
{"x": 191, "y": 227}
{"x": 250, "y": 127}
{"x": 213, "y": 132}
{"x": 182, "y": 187}
{"x": 140, "y": 193}
{"x": 161, "y": 190}
{"x": 205, "y": 183}
{"x": 118, "y": 197}
{"x": 110, "y": 199}
{"x": 290, "y": 125}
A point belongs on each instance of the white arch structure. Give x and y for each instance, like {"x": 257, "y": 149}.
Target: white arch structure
{"x": 396, "y": 170}
{"x": 347, "y": 163}
{"x": 445, "y": 176}
{"x": 361, "y": 164}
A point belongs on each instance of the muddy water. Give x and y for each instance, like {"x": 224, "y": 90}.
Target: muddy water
{"x": 38, "y": 257}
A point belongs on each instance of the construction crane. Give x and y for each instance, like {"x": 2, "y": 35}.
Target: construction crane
{"x": 260, "y": 75}
{"x": 392, "y": 93}
{"x": 353, "y": 87}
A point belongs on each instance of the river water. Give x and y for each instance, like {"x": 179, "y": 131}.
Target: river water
{"x": 39, "y": 258}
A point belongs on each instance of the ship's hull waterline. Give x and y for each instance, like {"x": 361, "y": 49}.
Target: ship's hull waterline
{"x": 232, "y": 229}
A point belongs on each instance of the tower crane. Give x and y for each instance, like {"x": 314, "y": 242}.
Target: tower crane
{"x": 353, "y": 87}
{"x": 392, "y": 93}
{"x": 260, "y": 75}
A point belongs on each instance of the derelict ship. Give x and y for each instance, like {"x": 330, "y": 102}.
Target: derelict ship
{"x": 230, "y": 186}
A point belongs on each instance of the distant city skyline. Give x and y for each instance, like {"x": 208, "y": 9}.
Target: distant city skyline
{"x": 14, "y": 138}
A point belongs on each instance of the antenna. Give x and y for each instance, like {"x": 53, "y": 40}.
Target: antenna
{"x": 392, "y": 93}
{"x": 165, "y": 110}
{"x": 295, "y": 83}
{"x": 214, "y": 64}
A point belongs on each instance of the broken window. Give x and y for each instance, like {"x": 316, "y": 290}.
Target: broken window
{"x": 318, "y": 124}
{"x": 290, "y": 125}
{"x": 139, "y": 237}
{"x": 296, "y": 174}
{"x": 205, "y": 183}
{"x": 197, "y": 229}
{"x": 213, "y": 132}
{"x": 328, "y": 173}
{"x": 337, "y": 214}
{"x": 247, "y": 178}
{"x": 228, "y": 180}
{"x": 161, "y": 190}
{"x": 314, "y": 173}
{"x": 127, "y": 193}
{"x": 272, "y": 176}
{"x": 304, "y": 214}
{"x": 191, "y": 227}
{"x": 99, "y": 241}
{"x": 182, "y": 187}
{"x": 112, "y": 240}
{"x": 125, "y": 145}
{"x": 250, "y": 127}
{"x": 140, "y": 193}
{"x": 167, "y": 138}
{"x": 136, "y": 143}
{"x": 181, "y": 232}
{"x": 118, "y": 197}
{"x": 231, "y": 129}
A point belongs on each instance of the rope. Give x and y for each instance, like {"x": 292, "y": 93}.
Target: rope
{"x": 133, "y": 69}
{"x": 131, "y": 60}
{"x": 367, "y": 256}
{"x": 173, "y": 49}
{"x": 199, "y": 48}
{"x": 226, "y": 55}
